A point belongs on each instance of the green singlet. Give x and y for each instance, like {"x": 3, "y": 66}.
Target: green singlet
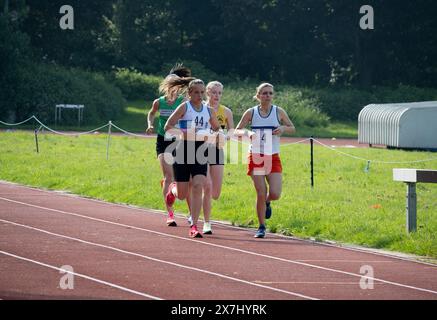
{"x": 165, "y": 111}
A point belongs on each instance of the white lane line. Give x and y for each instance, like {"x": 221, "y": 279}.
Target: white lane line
{"x": 81, "y": 276}
{"x": 308, "y": 282}
{"x": 221, "y": 246}
{"x": 347, "y": 261}
{"x": 160, "y": 212}
{"x": 159, "y": 260}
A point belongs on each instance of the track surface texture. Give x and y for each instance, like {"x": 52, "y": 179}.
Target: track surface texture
{"x": 59, "y": 246}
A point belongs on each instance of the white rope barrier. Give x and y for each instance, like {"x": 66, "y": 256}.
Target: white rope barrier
{"x": 69, "y": 134}
{"x": 127, "y": 132}
{"x": 294, "y": 143}
{"x": 374, "y": 161}
{"x": 338, "y": 151}
{"x": 17, "y": 124}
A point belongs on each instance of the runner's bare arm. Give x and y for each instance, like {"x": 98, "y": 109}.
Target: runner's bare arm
{"x": 151, "y": 116}
{"x": 287, "y": 126}
{"x": 175, "y": 117}
{"x": 244, "y": 122}
{"x": 215, "y": 125}
{"x": 229, "y": 119}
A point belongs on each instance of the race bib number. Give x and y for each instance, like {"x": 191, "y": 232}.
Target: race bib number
{"x": 199, "y": 121}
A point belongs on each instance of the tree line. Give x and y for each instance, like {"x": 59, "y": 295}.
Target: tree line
{"x": 304, "y": 42}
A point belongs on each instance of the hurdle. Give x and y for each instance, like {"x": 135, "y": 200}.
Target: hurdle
{"x": 411, "y": 177}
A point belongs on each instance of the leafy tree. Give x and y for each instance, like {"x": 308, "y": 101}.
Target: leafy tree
{"x": 92, "y": 44}
{"x": 15, "y": 55}
{"x": 302, "y": 42}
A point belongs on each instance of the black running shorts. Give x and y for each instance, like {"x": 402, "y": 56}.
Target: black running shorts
{"x": 162, "y": 144}
{"x": 191, "y": 159}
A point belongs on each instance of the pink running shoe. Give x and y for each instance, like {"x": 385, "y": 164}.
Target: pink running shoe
{"x": 170, "y": 198}
{"x": 194, "y": 233}
{"x": 171, "y": 222}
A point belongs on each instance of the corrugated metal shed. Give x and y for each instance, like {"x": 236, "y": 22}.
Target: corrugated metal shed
{"x": 399, "y": 125}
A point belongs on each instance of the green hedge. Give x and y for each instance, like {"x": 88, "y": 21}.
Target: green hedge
{"x": 303, "y": 111}
{"x": 135, "y": 85}
{"x": 314, "y": 107}
{"x": 139, "y": 86}
{"x": 41, "y": 87}
{"x": 345, "y": 104}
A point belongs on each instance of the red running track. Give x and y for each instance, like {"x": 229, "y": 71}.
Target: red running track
{"x": 121, "y": 252}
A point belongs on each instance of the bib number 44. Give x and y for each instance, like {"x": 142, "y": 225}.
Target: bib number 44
{"x": 199, "y": 121}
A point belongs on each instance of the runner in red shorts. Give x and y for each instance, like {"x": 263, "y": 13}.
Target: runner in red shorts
{"x": 268, "y": 122}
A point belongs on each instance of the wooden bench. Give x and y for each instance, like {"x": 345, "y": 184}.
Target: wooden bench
{"x": 411, "y": 177}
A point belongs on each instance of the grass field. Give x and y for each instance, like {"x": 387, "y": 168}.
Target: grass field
{"x": 347, "y": 205}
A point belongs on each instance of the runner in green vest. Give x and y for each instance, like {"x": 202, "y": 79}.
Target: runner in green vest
{"x": 165, "y": 106}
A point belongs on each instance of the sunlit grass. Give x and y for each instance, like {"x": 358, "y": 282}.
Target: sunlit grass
{"x": 346, "y": 205}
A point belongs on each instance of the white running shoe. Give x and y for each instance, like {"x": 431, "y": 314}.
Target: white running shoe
{"x": 190, "y": 220}
{"x": 207, "y": 228}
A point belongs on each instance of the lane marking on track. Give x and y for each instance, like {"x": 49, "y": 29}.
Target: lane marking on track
{"x": 159, "y": 260}
{"x": 347, "y": 261}
{"x": 222, "y": 247}
{"x": 221, "y": 224}
{"x": 307, "y": 282}
{"x": 81, "y": 276}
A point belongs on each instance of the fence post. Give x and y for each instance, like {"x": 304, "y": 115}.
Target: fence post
{"x": 312, "y": 161}
{"x": 109, "y": 140}
{"x": 36, "y": 140}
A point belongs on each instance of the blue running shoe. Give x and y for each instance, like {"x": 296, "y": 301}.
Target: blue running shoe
{"x": 261, "y": 233}
{"x": 268, "y": 210}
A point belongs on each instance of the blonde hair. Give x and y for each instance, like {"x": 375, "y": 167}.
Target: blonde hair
{"x": 213, "y": 84}
{"x": 260, "y": 87}
{"x": 164, "y": 86}
{"x": 195, "y": 82}
{"x": 179, "y": 77}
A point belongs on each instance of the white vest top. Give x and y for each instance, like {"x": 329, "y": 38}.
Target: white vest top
{"x": 265, "y": 142}
{"x": 194, "y": 119}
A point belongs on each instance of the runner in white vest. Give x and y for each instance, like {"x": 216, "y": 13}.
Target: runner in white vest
{"x": 263, "y": 126}
{"x": 268, "y": 123}
{"x": 195, "y": 120}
